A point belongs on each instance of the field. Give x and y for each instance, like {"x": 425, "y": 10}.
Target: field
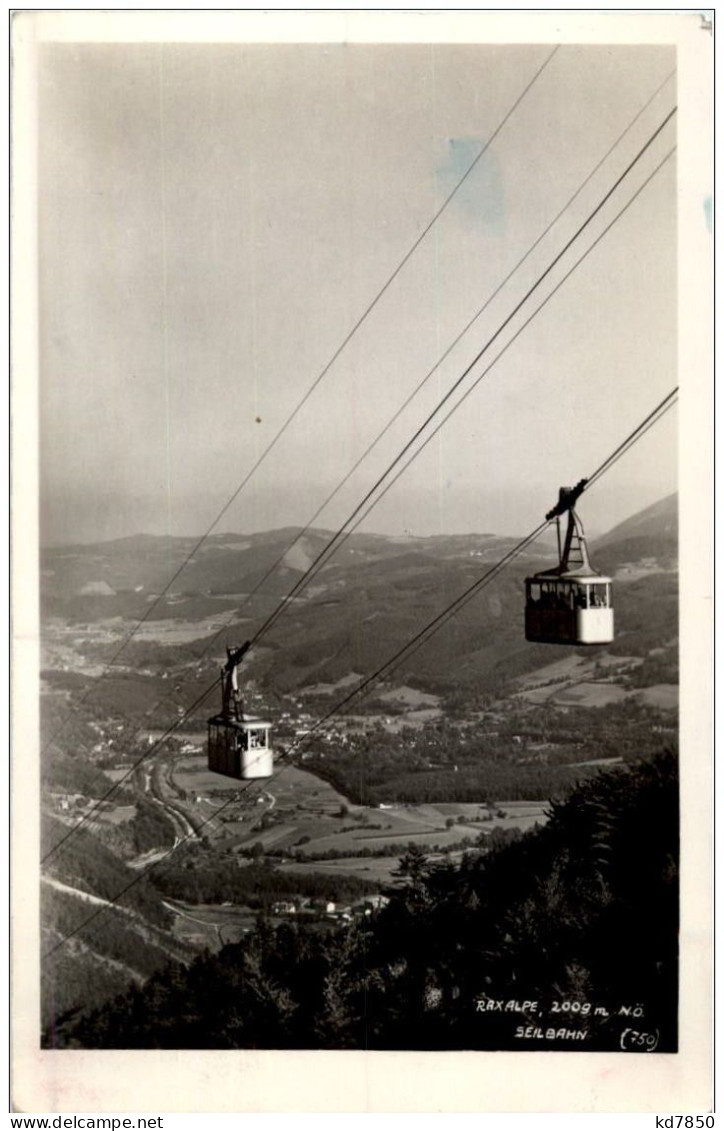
{"x": 568, "y": 668}
{"x": 377, "y": 869}
{"x": 411, "y": 697}
{"x": 210, "y": 925}
{"x": 395, "y": 723}
{"x": 329, "y": 688}
{"x": 179, "y": 631}
{"x": 575, "y": 681}
{"x": 115, "y": 814}
{"x": 296, "y": 811}
{"x": 423, "y": 824}
{"x": 298, "y": 787}
{"x": 664, "y": 695}
{"x": 311, "y": 801}
{"x": 590, "y": 695}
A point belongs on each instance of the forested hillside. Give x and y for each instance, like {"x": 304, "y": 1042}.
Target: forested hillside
{"x": 125, "y": 942}
{"x": 556, "y": 940}
{"x": 464, "y": 746}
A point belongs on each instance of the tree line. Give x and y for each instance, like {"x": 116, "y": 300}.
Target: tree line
{"x": 583, "y": 910}
{"x": 256, "y": 885}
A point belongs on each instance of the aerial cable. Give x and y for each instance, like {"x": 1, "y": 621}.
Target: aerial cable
{"x": 653, "y": 418}
{"x": 393, "y": 419}
{"x": 432, "y": 626}
{"x": 327, "y": 549}
{"x": 331, "y": 546}
{"x": 317, "y": 564}
{"x": 417, "y": 640}
{"x": 507, "y": 346}
{"x": 301, "y": 403}
{"x": 490, "y": 574}
{"x": 453, "y": 609}
{"x": 259, "y": 585}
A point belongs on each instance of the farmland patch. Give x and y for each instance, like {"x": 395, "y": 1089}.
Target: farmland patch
{"x": 378, "y": 869}
{"x": 589, "y": 695}
{"x": 577, "y": 694}
{"x": 664, "y": 695}
{"x": 178, "y": 631}
{"x": 411, "y": 697}
{"x": 115, "y": 815}
{"x": 328, "y": 688}
{"x": 570, "y": 667}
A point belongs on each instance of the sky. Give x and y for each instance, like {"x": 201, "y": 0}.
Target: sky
{"x": 214, "y": 219}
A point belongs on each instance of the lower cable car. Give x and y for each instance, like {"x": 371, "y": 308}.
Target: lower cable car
{"x": 570, "y": 604}
{"x": 238, "y": 744}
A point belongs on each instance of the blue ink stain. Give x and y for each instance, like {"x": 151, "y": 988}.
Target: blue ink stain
{"x": 481, "y": 195}
{"x": 707, "y": 213}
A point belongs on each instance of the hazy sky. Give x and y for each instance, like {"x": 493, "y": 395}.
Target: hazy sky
{"x": 215, "y": 218}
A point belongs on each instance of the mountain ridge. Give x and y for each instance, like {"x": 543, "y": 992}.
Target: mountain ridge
{"x": 663, "y": 507}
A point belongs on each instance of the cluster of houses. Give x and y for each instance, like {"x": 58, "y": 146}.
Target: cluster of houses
{"x": 65, "y": 802}
{"x": 108, "y": 735}
{"x": 343, "y": 912}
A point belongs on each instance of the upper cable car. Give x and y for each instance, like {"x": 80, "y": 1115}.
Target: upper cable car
{"x": 238, "y": 744}
{"x": 570, "y": 604}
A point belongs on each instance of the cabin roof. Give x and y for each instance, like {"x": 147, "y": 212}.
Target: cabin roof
{"x": 253, "y": 721}
{"x": 571, "y": 575}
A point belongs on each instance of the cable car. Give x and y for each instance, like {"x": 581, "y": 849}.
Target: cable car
{"x": 572, "y": 603}
{"x": 239, "y": 745}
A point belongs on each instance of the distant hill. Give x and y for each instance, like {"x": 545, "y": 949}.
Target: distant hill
{"x": 364, "y": 611}
{"x": 234, "y": 563}
{"x": 649, "y": 537}
{"x": 374, "y": 594}
{"x": 660, "y": 521}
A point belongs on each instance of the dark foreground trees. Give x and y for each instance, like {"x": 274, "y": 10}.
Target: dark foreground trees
{"x": 570, "y": 930}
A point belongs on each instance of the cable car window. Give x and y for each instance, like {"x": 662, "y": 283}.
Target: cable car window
{"x": 257, "y": 738}
{"x": 598, "y": 596}
{"x": 562, "y": 596}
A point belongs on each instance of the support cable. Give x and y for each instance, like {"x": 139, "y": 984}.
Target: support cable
{"x": 297, "y": 537}
{"x": 332, "y": 545}
{"x": 507, "y": 346}
{"x": 301, "y": 403}
{"x": 393, "y": 419}
{"x": 417, "y": 640}
{"x": 317, "y": 564}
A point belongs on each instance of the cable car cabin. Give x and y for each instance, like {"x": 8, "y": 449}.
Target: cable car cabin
{"x": 238, "y": 745}
{"x": 240, "y": 748}
{"x": 572, "y": 609}
{"x": 570, "y": 604}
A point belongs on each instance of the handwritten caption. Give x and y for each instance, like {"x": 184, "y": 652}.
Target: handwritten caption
{"x": 567, "y": 1021}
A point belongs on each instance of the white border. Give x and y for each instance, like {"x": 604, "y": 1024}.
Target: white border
{"x": 247, "y": 1081}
